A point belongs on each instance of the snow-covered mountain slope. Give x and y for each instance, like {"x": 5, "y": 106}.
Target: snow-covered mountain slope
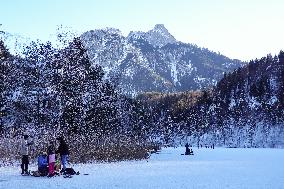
{"x": 154, "y": 60}
{"x": 207, "y": 169}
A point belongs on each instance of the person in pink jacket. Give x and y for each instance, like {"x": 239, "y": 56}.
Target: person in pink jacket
{"x": 51, "y": 160}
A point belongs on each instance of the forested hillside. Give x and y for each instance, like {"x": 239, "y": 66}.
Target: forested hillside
{"x": 245, "y": 109}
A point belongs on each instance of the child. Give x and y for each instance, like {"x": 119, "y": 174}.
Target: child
{"x": 51, "y": 160}
{"x": 57, "y": 165}
{"x": 42, "y": 164}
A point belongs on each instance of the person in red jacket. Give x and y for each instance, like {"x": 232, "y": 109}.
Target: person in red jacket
{"x": 51, "y": 160}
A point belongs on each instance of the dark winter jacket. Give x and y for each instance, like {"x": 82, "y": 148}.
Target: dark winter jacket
{"x": 50, "y": 150}
{"x": 63, "y": 148}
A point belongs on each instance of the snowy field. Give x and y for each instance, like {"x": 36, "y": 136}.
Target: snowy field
{"x": 207, "y": 169}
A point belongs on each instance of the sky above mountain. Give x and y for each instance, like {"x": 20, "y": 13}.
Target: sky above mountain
{"x": 238, "y": 29}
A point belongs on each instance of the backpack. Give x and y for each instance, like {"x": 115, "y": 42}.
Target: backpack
{"x": 69, "y": 171}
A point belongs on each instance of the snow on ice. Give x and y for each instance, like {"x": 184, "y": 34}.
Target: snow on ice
{"x": 208, "y": 169}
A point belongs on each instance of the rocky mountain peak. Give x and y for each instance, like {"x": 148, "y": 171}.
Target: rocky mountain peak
{"x": 159, "y": 36}
{"x": 161, "y": 28}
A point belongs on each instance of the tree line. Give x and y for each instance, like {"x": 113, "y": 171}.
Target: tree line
{"x": 49, "y": 91}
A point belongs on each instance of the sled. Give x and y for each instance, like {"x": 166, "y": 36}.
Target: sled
{"x": 187, "y": 154}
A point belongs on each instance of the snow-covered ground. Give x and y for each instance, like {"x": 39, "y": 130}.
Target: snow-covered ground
{"x": 207, "y": 169}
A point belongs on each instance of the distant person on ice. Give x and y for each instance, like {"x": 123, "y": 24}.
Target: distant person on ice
{"x": 188, "y": 151}
{"x": 63, "y": 150}
{"x": 24, "y": 151}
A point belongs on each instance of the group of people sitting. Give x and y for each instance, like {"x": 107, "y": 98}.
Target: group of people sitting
{"x": 48, "y": 162}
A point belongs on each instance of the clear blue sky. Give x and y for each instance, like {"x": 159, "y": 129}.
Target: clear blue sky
{"x": 243, "y": 29}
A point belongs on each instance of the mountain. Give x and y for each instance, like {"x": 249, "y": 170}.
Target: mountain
{"x": 154, "y": 61}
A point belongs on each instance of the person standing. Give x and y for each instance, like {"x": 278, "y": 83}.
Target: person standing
{"x": 63, "y": 150}
{"x": 24, "y": 151}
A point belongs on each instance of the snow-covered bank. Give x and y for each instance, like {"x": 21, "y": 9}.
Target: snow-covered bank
{"x": 207, "y": 169}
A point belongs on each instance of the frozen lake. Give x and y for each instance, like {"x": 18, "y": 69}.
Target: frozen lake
{"x": 208, "y": 169}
